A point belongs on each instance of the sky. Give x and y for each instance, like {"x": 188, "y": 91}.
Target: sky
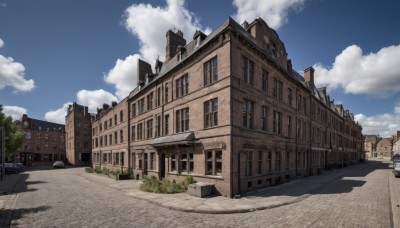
{"x": 53, "y": 53}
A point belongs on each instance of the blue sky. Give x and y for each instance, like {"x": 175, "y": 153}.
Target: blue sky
{"x": 56, "y": 52}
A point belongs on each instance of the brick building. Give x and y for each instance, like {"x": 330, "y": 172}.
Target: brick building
{"x": 78, "y": 134}
{"x": 44, "y": 141}
{"x": 110, "y": 136}
{"x": 370, "y": 142}
{"x": 228, "y": 109}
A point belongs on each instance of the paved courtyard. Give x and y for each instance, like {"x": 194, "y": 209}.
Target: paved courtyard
{"x": 364, "y": 195}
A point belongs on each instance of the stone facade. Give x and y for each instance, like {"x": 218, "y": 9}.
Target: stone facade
{"x": 44, "y": 141}
{"x": 78, "y": 134}
{"x": 229, "y": 110}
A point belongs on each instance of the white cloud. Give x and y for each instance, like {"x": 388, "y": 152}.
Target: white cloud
{"x": 95, "y": 99}
{"x": 123, "y": 75}
{"x": 150, "y": 24}
{"x": 57, "y": 116}
{"x": 274, "y": 12}
{"x": 15, "y": 112}
{"x": 373, "y": 73}
{"x": 12, "y": 74}
{"x": 385, "y": 124}
{"x": 1, "y": 43}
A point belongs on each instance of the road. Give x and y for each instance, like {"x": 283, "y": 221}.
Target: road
{"x": 67, "y": 198}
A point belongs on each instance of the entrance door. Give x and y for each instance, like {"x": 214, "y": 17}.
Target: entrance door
{"x": 162, "y": 166}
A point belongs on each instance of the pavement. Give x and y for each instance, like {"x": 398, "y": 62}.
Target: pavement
{"x": 262, "y": 199}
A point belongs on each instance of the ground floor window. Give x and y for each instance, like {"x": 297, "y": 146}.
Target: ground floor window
{"x": 187, "y": 163}
{"x": 172, "y": 162}
{"x": 140, "y": 160}
{"x": 152, "y": 161}
{"x": 214, "y": 162}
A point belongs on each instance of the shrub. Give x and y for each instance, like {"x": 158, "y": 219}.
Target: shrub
{"x": 151, "y": 184}
{"x": 188, "y": 180}
{"x": 89, "y": 170}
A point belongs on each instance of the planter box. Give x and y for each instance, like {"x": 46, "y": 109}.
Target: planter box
{"x": 200, "y": 189}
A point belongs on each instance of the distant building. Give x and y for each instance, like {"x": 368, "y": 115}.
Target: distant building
{"x": 396, "y": 143}
{"x": 370, "y": 142}
{"x": 44, "y": 141}
{"x": 110, "y": 137}
{"x": 226, "y": 109}
{"x": 78, "y": 134}
{"x": 384, "y": 148}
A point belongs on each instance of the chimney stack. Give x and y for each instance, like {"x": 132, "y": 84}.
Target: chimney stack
{"x": 309, "y": 75}
{"x": 173, "y": 41}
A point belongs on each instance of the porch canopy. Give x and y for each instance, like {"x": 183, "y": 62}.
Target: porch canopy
{"x": 186, "y": 138}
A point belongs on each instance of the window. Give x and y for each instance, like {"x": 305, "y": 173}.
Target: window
{"x": 187, "y": 163}
{"x": 133, "y": 133}
{"x": 211, "y": 71}
{"x": 150, "y": 129}
{"x": 182, "y": 120}
{"x": 290, "y": 97}
{"x": 264, "y": 78}
{"x": 305, "y": 105}
{"x": 249, "y": 163}
{"x": 121, "y": 163}
{"x": 269, "y": 162}
{"x": 140, "y": 160}
{"x": 139, "y": 132}
{"x": 259, "y": 163}
{"x": 287, "y": 160}
{"x": 115, "y": 137}
{"x": 152, "y": 161}
{"x": 134, "y": 110}
{"x": 277, "y": 161}
{"x": 214, "y": 163}
{"x": 278, "y": 89}
{"x": 166, "y": 130}
{"x": 115, "y": 119}
{"x": 211, "y": 113}
{"x": 264, "y": 113}
{"x": 105, "y": 140}
{"x": 166, "y": 94}
{"x": 158, "y": 96}
{"x": 110, "y": 122}
{"x": 289, "y": 126}
{"x": 121, "y": 116}
{"x": 158, "y": 126}
{"x": 173, "y": 163}
{"x": 121, "y": 136}
{"x": 110, "y": 138}
{"x": 248, "y": 70}
{"x": 277, "y": 122}
{"x": 150, "y": 101}
{"x": 298, "y": 102}
{"x": 248, "y": 109}
{"x": 182, "y": 86}
{"x": 141, "y": 106}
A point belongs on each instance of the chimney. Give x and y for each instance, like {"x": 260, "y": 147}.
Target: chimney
{"x": 173, "y": 41}
{"x": 245, "y": 25}
{"x": 143, "y": 68}
{"x": 85, "y": 111}
{"x": 309, "y": 75}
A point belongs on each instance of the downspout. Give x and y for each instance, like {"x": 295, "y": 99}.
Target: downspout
{"x": 129, "y": 136}
{"x": 231, "y": 128}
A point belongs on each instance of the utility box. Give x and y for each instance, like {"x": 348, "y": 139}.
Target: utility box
{"x": 200, "y": 189}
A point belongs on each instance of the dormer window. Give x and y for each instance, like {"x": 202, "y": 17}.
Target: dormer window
{"x": 273, "y": 50}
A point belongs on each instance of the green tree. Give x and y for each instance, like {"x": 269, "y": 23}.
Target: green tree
{"x": 14, "y": 137}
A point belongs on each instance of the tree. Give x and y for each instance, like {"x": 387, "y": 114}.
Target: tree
{"x": 14, "y": 137}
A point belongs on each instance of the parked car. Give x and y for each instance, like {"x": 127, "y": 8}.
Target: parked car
{"x": 396, "y": 167}
{"x": 10, "y": 168}
{"x": 58, "y": 164}
{"x": 20, "y": 166}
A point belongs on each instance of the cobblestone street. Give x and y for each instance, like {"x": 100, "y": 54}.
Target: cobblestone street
{"x": 70, "y": 198}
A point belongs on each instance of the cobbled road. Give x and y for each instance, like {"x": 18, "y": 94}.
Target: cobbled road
{"x": 65, "y": 198}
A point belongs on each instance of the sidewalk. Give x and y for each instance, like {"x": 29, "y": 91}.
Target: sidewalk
{"x": 275, "y": 196}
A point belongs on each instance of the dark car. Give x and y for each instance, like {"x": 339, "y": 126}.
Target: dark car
{"x": 58, "y": 164}
{"x": 20, "y": 166}
{"x": 11, "y": 168}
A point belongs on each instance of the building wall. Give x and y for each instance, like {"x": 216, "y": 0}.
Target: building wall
{"x": 112, "y": 155}
{"x": 79, "y": 135}
{"x": 384, "y": 148}
{"x": 44, "y": 141}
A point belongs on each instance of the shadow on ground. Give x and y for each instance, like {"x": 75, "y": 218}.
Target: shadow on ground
{"x": 333, "y": 184}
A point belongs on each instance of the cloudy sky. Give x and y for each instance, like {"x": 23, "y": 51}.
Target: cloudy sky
{"x": 53, "y": 53}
